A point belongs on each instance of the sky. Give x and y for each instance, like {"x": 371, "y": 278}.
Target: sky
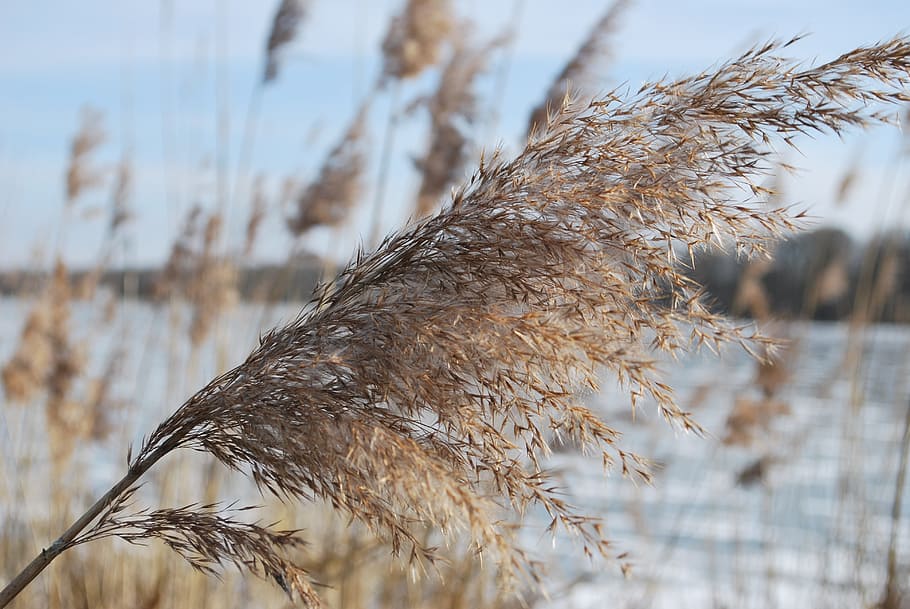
{"x": 175, "y": 80}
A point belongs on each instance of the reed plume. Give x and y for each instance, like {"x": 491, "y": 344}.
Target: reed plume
{"x": 67, "y": 362}
{"x": 195, "y": 271}
{"x": 120, "y": 214}
{"x": 413, "y": 42}
{"x": 285, "y": 25}
{"x": 415, "y": 38}
{"x": 577, "y": 73}
{"x": 24, "y": 373}
{"x": 452, "y": 107}
{"x": 48, "y": 359}
{"x": 422, "y": 385}
{"x": 80, "y": 173}
{"x": 170, "y": 280}
{"x": 328, "y": 200}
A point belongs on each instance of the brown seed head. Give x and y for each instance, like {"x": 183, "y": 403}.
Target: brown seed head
{"x": 80, "y": 175}
{"x": 328, "y": 200}
{"x": 285, "y": 25}
{"x": 414, "y": 39}
{"x": 452, "y": 108}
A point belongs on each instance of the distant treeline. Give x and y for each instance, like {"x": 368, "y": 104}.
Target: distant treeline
{"x": 270, "y": 282}
{"x": 822, "y": 275}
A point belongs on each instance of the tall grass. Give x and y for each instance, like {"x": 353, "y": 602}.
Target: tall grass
{"x": 423, "y": 386}
{"x": 421, "y": 391}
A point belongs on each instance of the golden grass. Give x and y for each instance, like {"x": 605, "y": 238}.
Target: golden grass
{"x": 452, "y": 108}
{"x": 415, "y": 38}
{"x": 419, "y": 392}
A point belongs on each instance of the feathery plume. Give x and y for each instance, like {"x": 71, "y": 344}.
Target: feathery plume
{"x": 433, "y": 369}
{"x": 285, "y": 25}
{"x": 414, "y": 39}
{"x": 453, "y": 104}
{"x": 66, "y": 363}
{"x": 328, "y": 200}
{"x": 45, "y": 357}
{"x": 576, "y": 73}
{"x": 207, "y": 536}
{"x": 25, "y": 372}
{"x": 80, "y": 175}
{"x": 179, "y": 261}
{"x": 196, "y": 272}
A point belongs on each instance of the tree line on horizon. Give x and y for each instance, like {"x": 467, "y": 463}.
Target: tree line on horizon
{"x": 822, "y": 275}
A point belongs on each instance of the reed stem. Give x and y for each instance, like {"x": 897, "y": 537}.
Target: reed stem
{"x": 65, "y": 541}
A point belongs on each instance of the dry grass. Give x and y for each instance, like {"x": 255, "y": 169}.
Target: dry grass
{"x": 81, "y": 175}
{"x": 420, "y": 391}
{"x": 415, "y": 38}
{"x": 121, "y": 211}
{"x": 453, "y": 108}
{"x": 195, "y": 271}
{"x": 213, "y": 288}
{"x": 47, "y": 360}
{"x": 329, "y": 199}
{"x": 421, "y": 386}
{"x": 285, "y": 25}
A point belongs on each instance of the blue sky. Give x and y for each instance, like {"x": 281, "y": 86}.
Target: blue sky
{"x": 159, "y": 70}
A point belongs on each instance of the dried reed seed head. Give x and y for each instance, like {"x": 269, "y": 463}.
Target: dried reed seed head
{"x": 442, "y": 165}
{"x": 80, "y": 174}
{"x": 181, "y": 257}
{"x": 68, "y": 359}
{"x": 212, "y": 232}
{"x": 422, "y": 385}
{"x": 212, "y": 281}
{"x": 414, "y": 39}
{"x": 207, "y": 536}
{"x": 85, "y": 285}
{"x": 329, "y": 199}
{"x": 196, "y": 272}
{"x": 23, "y": 375}
{"x": 580, "y": 72}
{"x": 749, "y": 418}
{"x": 831, "y": 284}
{"x": 285, "y": 25}
{"x": 287, "y": 194}
{"x": 100, "y": 402}
{"x": 452, "y": 107}
{"x": 45, "y": 357}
